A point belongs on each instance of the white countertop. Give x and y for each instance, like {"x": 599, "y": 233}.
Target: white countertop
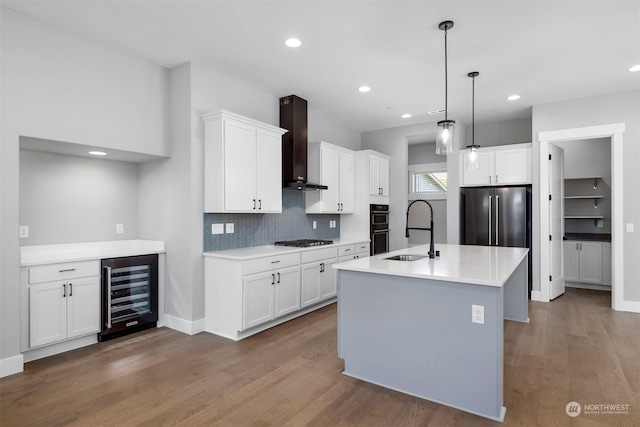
{"x": 270, "y": 250}
{"x": 480, "y": 265}
{"x": 69, "y": 252}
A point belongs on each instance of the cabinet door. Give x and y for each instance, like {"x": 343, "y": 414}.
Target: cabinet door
{"x": 269, "y": 176}
{"x": 374, "y": 176}
{"x": 384, "y": 177}
{"x": 483, "y": 174}
{"x": 83, "y": 306}
{"x": 310, "y": 285}
{"x": 347, "y": 182}
{"x": 606, "y": 264}
{"x": 328, "y": 280}
{"x": 571, "y": 261}
{"x": 287, "y": 297}
{"x": 511, "y": 166}
{"x": 240, "y": 164}
{"x": 257, "y": 299}
{"x": 591, "y": 262}
{"x": 47, "y": 313}
{"x": 330, "y": 176}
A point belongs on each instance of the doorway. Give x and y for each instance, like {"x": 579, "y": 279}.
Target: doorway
{"x": 614, "y": 133}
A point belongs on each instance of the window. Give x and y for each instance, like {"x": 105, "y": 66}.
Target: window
{"x": 428, "y": 180}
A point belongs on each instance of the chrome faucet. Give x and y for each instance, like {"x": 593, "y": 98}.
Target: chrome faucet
{"x": 432, "y": 252}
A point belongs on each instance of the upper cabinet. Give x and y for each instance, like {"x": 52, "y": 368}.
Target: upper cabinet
{"x": 378, "y": 174}
{"x": 334, "y": 167}
{"x": 243, "y": 164}
{"x": 501, "y": 165}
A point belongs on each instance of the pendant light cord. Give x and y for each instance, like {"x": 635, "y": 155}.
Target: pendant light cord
{"x": 446, "y": 107}
{"x": 473, "y": 113}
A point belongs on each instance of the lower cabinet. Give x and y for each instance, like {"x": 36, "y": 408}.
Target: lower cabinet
{"x": 351, "y": 252}
{"x": 318, "y": 275}
{"x": 587, "y": 262}
{"x": 269, "y": 295}
{"x": 63, "y": 302}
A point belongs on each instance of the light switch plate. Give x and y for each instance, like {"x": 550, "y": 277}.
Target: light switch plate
{"x": 119, "y": 228}
{"x": 229, "y": 228}
{"x": 217, "y": 228}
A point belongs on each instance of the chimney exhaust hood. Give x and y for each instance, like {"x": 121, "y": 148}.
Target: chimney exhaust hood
{"x": 293, "y": 117}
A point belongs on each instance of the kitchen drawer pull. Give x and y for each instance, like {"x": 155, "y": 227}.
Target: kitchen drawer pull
{"x": 278, "y": 277}
{"x": 259, "y": 204}
{"x": 273, "y": 278}
{"x": 347, "y": 250}
{"x": 70, "y": 289}
{"x": 275, "y": 262}
{"x": 254, "y": 204}
{"x": 67, "y": 270}
{"x": 64, "y": 290}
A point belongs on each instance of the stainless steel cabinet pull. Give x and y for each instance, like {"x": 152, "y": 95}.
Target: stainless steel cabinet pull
{"x": 67, "y": 270}
{"x": 64, "y": 290}
{"x": 70, "y": 289}
{"x": 108, "y": 276}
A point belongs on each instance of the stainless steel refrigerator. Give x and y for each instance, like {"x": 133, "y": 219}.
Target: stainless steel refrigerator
{"x": 496, "y": 216}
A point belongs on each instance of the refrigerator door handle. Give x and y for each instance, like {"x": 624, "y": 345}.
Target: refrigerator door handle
{"x": 497, "y": 219}
{"x": 490, "y": 212}
{"x": 108, "y": 304}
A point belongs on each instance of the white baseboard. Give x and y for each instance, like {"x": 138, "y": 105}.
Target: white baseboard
{"x": 536, "y": 296}
{"x": 630, "y": 306}
{"x": 189, "y": 327}
{"x": 11, "y": 365}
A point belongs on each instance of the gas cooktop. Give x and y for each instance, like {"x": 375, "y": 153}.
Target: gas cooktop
{"x": 304, "y": 243}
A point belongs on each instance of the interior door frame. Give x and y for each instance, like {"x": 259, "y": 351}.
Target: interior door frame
{"x": 615, "y": 133}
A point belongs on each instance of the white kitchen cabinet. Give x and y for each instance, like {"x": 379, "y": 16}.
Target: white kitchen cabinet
{"x": 378, "y": 175}
{"x": 243, "y": 164}
{"x": 269, "y": 295}
{"x": 64, "y": 302}
{"x": 318, "y": 276}
{"x": 351, "y": 252}
{"x": 587, "y": 262}
{"x": 334, "y": 167}
{"x": 502, "y": 165}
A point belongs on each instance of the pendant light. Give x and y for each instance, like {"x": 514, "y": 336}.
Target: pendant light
{"x": 472, "y": 150}
{"x": 444, "y": 137}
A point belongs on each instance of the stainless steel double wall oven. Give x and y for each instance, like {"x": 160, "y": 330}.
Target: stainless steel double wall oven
{"x": 379, "y": 230}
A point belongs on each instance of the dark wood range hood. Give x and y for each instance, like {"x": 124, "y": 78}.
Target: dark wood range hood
{"x": 293, "y": 117}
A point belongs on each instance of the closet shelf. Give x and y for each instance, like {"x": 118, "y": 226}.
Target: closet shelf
{"x": 583, "y": 197}
{"x": 583, "y": 217}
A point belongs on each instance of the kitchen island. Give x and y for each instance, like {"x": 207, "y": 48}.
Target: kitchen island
{"x": 433, "y": 328}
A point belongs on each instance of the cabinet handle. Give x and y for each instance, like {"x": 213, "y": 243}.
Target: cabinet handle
{"x": 278, "y": 277}
{"x": 67, "y": 270}
{"x": 254, "y": 204}
{"x": 108, "y": 306}
{"x": 70, "y": 289}
{"x": 496, "y": 179}
{"x": 273, "y": 278}
{"x": 321, "y": 267}
{"x": 259, "y": 204}
{"x": 275, "y": 262}
{"x": 347, "y": 250}
{"x": 489, "y": 179}
{"x": 64, "y": 290}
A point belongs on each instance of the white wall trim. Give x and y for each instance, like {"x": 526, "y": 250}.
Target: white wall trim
{"x": 11, "y": 365}
{"x": 188, "y": 327}
{"x": 536, "y": 296}
{"x": 615, "y": 133}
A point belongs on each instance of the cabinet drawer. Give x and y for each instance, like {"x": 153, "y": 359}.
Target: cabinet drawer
{"x": 318, "y": 255}
{"x": 270, "y": 263}
{"x": 362, "y": 247}
{"x": 346, "y": 250}
{"x": 68, "y": 270}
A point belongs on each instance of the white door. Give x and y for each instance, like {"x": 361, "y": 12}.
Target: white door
{"x": 269, "y": 176}
{"x": 570, "y": 261}
{"x": 591, "y": 262}
{"x": 483, "y": 174}
{"x": 556, "y": 221}
{"x": 287, "y": 298}
{"x": 330, "y": 173}
{"x": 257, "y": 300}
{"x": 83, "y": 306}
{"x": 384, "y": 177}
{"x": 328, "y": 280}
{"x": 240, "y": 163}
{"x": 310, "y": 284}
{"x": 47, "y": 313}
{"x": 374, "y": 176}
{"x": 511, "y": 166}
{"x": 347, "y": 182}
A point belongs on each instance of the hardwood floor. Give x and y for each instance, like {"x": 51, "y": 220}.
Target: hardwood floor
{"x": 574, "y": 349}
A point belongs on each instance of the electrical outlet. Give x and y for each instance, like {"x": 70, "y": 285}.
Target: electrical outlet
{"x": 217, "y": 228}
{"x": 630, "y": 227}
{"x": 24, "y": 231}
{"x": 315, "y": 225}
{"x": 599, "y": 223}
{"x": 229, "y": 228}
{"x": 477, "y": 314}
{"x": 119, "y": 228}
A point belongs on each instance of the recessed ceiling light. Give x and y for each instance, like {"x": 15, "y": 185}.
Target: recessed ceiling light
{"x": 364, "y": 88}
{"x": 635, "y": 68}
{"x": 406, "y": 116}
{"x": 432, "y": 112}
{"x": 513, "y": 97}
{"x": 293, "y": 42}
{"x": 97, "y": 153}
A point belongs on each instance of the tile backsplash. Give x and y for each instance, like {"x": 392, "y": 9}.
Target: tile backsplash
{"x": 257, "y": 229}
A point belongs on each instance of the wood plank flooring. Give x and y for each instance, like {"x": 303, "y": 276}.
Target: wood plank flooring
{"x": 574, "y": 349}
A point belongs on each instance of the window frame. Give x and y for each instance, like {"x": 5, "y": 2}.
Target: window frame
{"x": 421, "y": 168}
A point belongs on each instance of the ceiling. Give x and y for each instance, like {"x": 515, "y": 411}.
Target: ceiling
{"x": 545, "y": 51}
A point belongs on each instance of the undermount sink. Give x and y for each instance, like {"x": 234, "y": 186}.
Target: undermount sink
{"x": 406, "y": 257}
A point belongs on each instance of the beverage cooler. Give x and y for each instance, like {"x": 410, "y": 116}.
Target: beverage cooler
{"x": 129, "y": 295}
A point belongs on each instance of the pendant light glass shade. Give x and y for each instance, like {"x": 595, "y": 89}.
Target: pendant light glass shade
{"x": 472, "y": 150}
{"x": 444, "y": 137}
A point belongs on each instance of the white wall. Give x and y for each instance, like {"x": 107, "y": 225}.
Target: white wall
{"x": 599, "y": 110}
{"x": 501, "y": 133}
{"x": 587, "y": 158}
{"x": 71, "y": 199}
{"x": 59, "y": 86}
